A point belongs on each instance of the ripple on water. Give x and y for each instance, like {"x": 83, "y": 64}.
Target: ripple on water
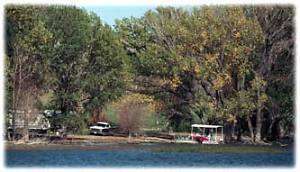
{"x": 137, "y": 156}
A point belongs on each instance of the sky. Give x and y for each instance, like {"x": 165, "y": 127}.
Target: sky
{"x": 109, "y": 14}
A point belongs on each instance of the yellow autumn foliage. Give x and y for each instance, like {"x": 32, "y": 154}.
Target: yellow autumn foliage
{"x": 175, "y": 82}
{"x": 220, "y": 81}
{"x": 136, "y": 99}
{"x": 231, "y": 118}
{"x": 197, "y": 69}
{"x": 237, "y": 35}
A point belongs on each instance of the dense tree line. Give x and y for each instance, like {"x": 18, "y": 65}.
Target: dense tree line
{"x": 213, "y": 64}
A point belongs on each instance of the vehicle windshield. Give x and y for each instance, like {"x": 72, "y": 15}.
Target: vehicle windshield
{"x": 102, "y": 125}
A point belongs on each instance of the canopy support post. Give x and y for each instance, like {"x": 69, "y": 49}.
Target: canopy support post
{"x": 222, "y": 135}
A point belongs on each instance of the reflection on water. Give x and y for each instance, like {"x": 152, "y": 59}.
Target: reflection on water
{"x": 139, "y": 156}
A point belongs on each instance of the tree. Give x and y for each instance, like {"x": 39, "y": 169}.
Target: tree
{"x": 27, "y": 42}
{"x": 107, "y": 71}
{"x": 190, "y": 52}
{"x": 82, "y": 59}
{"x": 217, "y": 65}
{"x": 71, "y": 29}
{"x": 225, "y": 58}
{"x": 151, "y": 43}
{"x": 278, "y": 28}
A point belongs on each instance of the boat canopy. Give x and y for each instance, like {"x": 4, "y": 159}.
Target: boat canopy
{"x": 206, "y": 126}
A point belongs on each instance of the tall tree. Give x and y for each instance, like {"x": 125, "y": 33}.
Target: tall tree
{"x": 189, "y": 52}
{"x": 71, "y": 28}
{"x": 27, "y": 45}
{"x": 278, "y": 28}
{"x": 107, "y": 72}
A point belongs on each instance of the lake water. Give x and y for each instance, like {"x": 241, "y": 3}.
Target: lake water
{"x": 139, "y": 156}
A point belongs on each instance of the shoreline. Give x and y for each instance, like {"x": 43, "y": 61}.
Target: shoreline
{"x": 92, "y": 139}
{"x": 154, "y": 148}
{"x": 87, "y": 142}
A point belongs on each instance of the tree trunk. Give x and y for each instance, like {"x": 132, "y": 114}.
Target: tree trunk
{"x": 96, "y": 115}
{"x": 13, "y": 126}
{"x": 239, "y": 129}
{"x": 232, "y": 134}
{"x": 274, "y": 118}
{"x": 258, "y": 125}
{"x": 250, "y": 126}
{"x": 227, "y": 132}
{"x": 26, "y": 126}
{"x": 280, "y": 130}
{"x": 129, "y": 135}
{"x": 15, "y": 95}
{"x": 270, "y": 129}
{"x": 8, "y": 135}
{"x": 240, "y": 86}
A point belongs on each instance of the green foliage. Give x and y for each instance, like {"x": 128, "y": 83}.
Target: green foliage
{"x": 202, "y": 64}
{"x": 186, "y": 49}
{"x": 242, "y": 103}
{"x": 156, "y": 122}
{"x": 71, "y": 28}
{"x": 110, "y": 65}
{"x": 27, "y": 47}
{"x": 81, "y": 58}
{"x": 111, "y": 114}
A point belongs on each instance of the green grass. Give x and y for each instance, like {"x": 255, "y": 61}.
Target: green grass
{"x": 218, "y": 149}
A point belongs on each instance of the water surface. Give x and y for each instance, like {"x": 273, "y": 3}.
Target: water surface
{"x": 139, "y": 156}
